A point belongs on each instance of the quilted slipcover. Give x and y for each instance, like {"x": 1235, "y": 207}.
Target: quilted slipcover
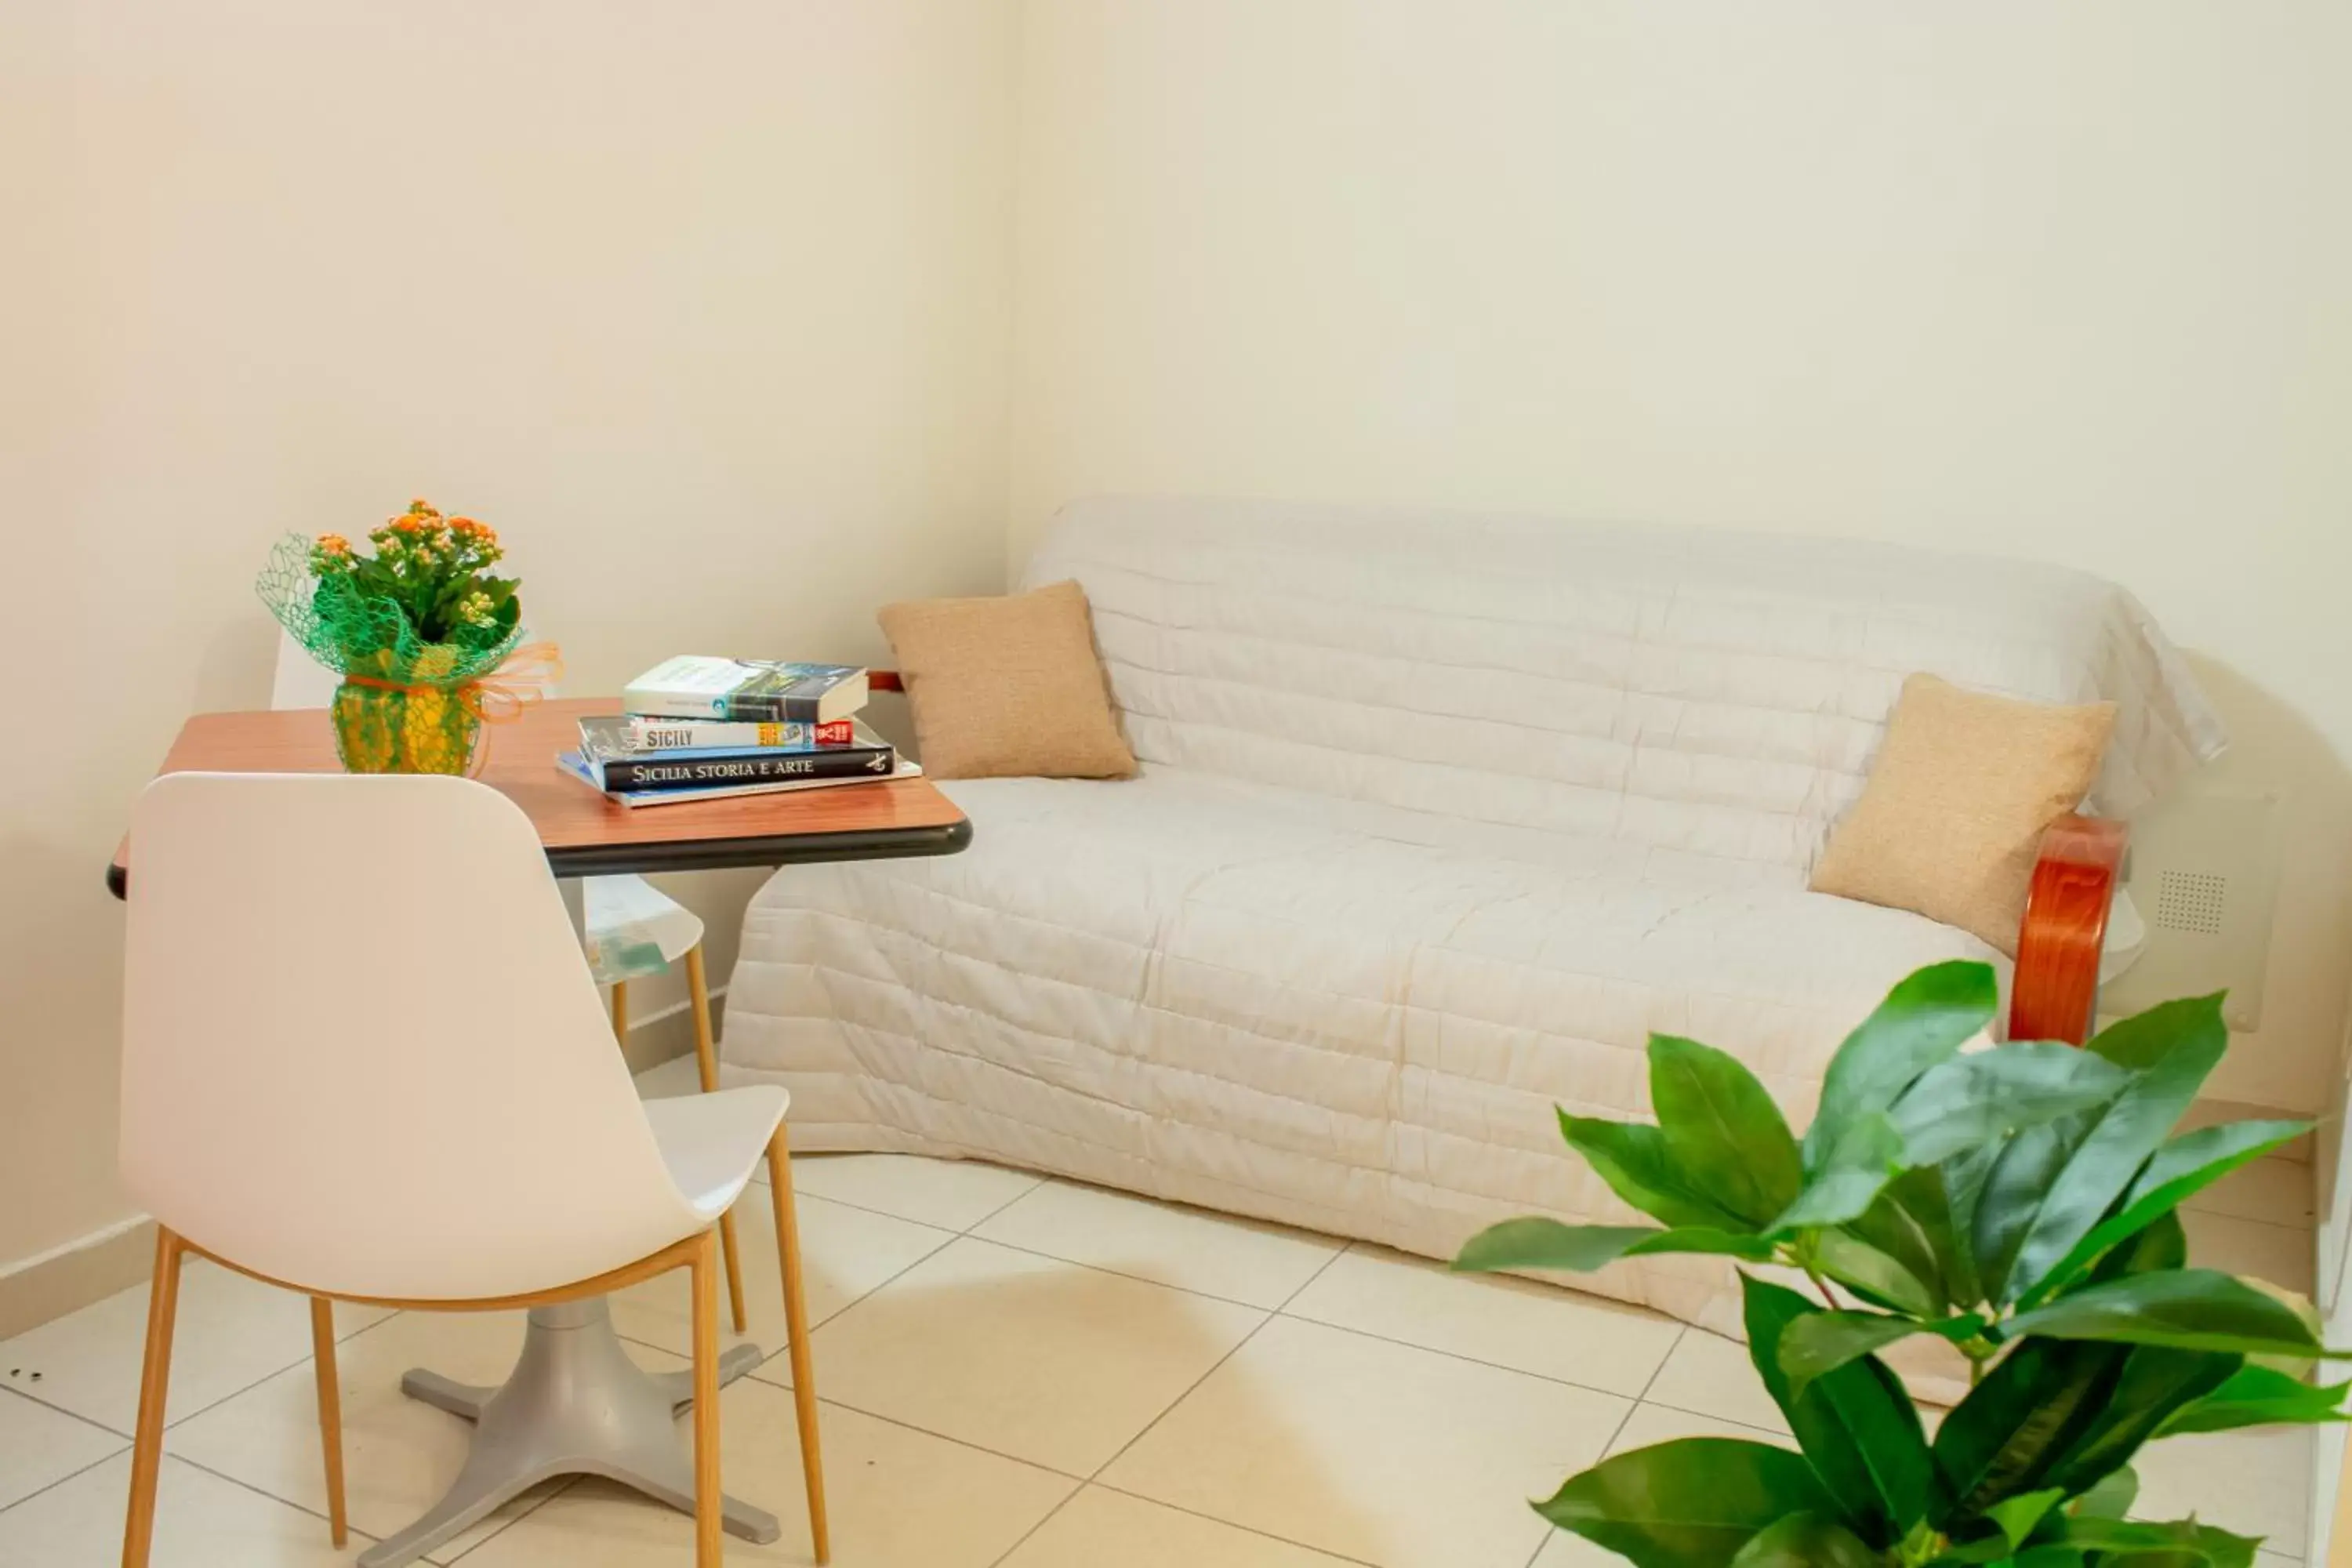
{"x": 1440, "y": 817}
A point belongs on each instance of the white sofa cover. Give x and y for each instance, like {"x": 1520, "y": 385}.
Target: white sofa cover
{"x": 1440, "y": 817}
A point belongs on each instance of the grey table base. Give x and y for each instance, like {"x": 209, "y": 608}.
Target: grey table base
{"x": 574, "y": 1404}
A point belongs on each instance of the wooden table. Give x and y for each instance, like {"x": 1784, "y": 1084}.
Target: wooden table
{"x": 586, "y": 835}
{"x": 575, "y": 1401}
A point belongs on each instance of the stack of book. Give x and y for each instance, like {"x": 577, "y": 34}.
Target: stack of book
{"x": 693, "y": 727}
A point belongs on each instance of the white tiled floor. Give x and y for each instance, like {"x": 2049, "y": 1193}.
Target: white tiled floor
{"x": 1016, "y": 1374}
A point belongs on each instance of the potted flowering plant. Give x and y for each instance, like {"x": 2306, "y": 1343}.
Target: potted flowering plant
{"x": 416, "y": 630}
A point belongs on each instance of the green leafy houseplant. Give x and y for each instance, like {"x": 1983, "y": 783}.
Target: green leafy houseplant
{"x": 2017, "y": 1201}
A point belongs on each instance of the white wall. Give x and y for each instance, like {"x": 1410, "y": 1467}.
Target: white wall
{"x": 2066, "y": 281}
{"x": 705, "y": 307}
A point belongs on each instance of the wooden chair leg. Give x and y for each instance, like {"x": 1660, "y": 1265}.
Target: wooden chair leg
{"x": 621, "y": 1011}
{"x": 706, "y": 1061}
{"x": 788, "y": 1247}
{"x": 708, "y": 1502}
{"x": 330, "y": 1412}
{"x": 154, "y": 1387}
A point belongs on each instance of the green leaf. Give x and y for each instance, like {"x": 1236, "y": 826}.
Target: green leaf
{"x": 2001, "y": 1439}
{"x": 1851, "y": 1174}
{"x": 1874, "y": 1276}
{"x": 2181, "y": 1168}
{"x": 2145, "y": 1544}
{"x": 1722, "y": 1129}
{"x": 2156, "y": 1381}
{"x": 2261, "y": 1396}
{"x": 1632, "y": 1158}
{"x": 2188, "y": 1309}
{"x": 1694, "y": 1503}
{"x": 1856, "y": 1424}
{"x": 2017, "y": 1516}
{"x": 1538, "y": 1243}
{"x": 2170, "y": 1049}
{"x": 1805, "y": 1541}
{"x": 1911, "y": 1223}
{"x": 2110, "y": 1497}
{"x": 1960, "y": 1104}
{"x": 2008, "y": 1195}
{"x": 1827, "y": 1341}
{"x": 1928, "y": 1016}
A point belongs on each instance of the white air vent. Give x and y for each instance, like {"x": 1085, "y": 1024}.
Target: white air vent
{"x": 2204, "y": 872}
{"x": 2191, "y": 902}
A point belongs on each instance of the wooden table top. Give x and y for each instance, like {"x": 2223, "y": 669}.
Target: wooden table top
{"x": 586, "y": 835}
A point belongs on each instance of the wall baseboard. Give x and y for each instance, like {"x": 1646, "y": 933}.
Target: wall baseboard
{"x": 657, "y": 1037}
{"x": 69, "y": 1278}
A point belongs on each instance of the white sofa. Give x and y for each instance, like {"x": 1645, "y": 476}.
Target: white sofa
{"x": 1439, "y": 818}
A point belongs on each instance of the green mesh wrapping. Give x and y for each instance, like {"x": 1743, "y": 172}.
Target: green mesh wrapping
{"x": 402, "y": 707}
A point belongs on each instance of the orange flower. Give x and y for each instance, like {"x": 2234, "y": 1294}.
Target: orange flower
{"x": 334, "y": 544}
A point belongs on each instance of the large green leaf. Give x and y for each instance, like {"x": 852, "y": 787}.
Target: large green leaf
{"x": 2169, "y": 1048}
{"x": 1825, "y": 1341}
{"x": 1849, "y": 1176}
{"x": 1964, "y": 1101}
{"x": 1872, "y": 1275}
{"x": 1926, "y": 1018}
{"x": 2000, "y": 1440}
{"x": 1632, "y": 1158}
{"x": 1911, "y": 1224}
{"x": 2009, "y": 1193}
{"x": 2188, "y": 1309}
{"x": 2145, "y": 1545}
{"x": 2261, "y": 1396}
{"x": 2110, "y": 1497}
{"x": 2156, "y": 1382}
{"x": 1856, "y": 1424}
{"x": 1538, "y": 1243}
{"x": 1805, "y": 1541}
{"x": 1722, "y": 1129}
{"x": 2181, "y": 1168}
{"x": 1694, "y": 1503}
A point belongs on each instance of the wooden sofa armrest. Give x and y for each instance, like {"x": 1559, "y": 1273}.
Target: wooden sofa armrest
{"x": 2057, "y": 981}
{"x": 884, "y": 681}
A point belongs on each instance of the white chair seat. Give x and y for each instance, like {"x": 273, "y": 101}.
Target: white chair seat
{"x": 634, "y": 929}
{"x": 711, "y": 1142}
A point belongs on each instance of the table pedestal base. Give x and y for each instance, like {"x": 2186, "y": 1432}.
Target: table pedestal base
{"x": 574, "y": 1404}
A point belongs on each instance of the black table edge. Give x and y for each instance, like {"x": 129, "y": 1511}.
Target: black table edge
{"x": 720, "y": 854}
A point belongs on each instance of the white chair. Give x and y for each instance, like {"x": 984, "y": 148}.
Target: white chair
{"x": 364, "y": 1057}
{"x": 633, "y": 929}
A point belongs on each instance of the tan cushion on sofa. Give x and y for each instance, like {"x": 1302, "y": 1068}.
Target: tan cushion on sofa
{"x": 1950, "y": 822}
{"x": 1007, "y": 687}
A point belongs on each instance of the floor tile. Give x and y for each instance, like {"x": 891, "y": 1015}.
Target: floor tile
{"x": 1710, "y": 1375}
{"x": 954, "y": 1195}
{"x": 1519, "y": 1323}
{"x": 39, "y": 1445}
{"x": 896, "y": 1499}
{"x": 399, "y": 1455}
{"x": 2275, "y": 1191}
{"x": 2256, "y": 1482}
{"x": 1098, "y": 1528}
{"x": 844, "y": 1253}
{"x": 201, "y": 1522}
{"x": 2282, "y": 1255}
{"x": 1663, "y": 1424}
{"x": 231, "y": 1332}
{"x": 1382, "y": 1452}
{"x": 1027, "y": 1356}
{"x": 1241, "y": 1260}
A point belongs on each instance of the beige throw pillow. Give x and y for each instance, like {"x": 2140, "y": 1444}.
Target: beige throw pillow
{"x": 1008, "y": 686}
{"x": 1950, "y": 821}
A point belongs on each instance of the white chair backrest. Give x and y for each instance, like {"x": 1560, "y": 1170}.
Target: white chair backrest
{"x": 361, "y": 1051}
